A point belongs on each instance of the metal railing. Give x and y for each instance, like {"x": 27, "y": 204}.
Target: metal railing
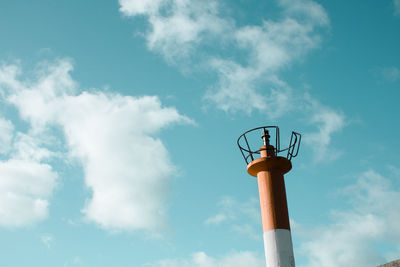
{"x": 248, "y": 153}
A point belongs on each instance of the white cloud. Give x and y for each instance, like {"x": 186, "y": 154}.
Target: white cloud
{"x": 177, "y": 26}
{"x": 25, "y": 187}
{"x": 126, "y": 165}
{"x": 354, "y": 235}
{"x": 243, "y": 217}
{"x": 31, "y": 147}
{"x": 47, "y": 240}
{"x": 26, "y": 183}
{"x": 76, "y": 261}
{"x": 274, "y": 44}
{"x": 140, "y": 7}
{"x": 256, "y": 85}
{"x": 7, "y": 76}
{"x": 180, "y": 28}
{"x": 391, "y": 74}
{"x": 305, "y": 9}
{"x": 249, "y": 82}
{"x": 201, "y": 259}
{"x": 328, "y": 122}
{"x": 6, "y": 135}
{"x": 216, "y": 219}
{"x": 396, "y": 7}
{"x": 235, "y": 90}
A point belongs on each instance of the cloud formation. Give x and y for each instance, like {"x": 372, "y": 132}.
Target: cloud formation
{"x": 176, "y": 26}
{"x": 6, "y": 135}
{"x": 201, "y": 259}
{"x": 47, "y": 240}
{"x": 181, "y": 28}
{"x": 243, "y": 217}
{"x": 25, "y": 189}
{"x": 396, "y": 4}
{"x": 352, "y": 238}
{"x": 27, "y": 181}
{"x": 270, "y": 47}
{"x": 391, "y": 74}
{"x": 114, "y": 137}
{"x": 248, "y": 60}
{"x": 328, "y": 122}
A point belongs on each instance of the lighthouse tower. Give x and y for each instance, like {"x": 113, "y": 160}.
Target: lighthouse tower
{"x": 269, "y": 168}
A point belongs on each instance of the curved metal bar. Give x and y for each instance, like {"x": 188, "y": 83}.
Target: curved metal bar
{"x": 248, "y": 146}
{"x": 298, "y": 144}
{"x": 292, "y": 145}
{"x": 246, "y": 149}
{"x": 251, "y": 130}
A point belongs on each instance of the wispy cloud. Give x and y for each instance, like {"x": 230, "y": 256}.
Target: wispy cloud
{"x": 351, "y": 239}
{"x": 76, "y": 261}
{"x": 307, "y": 10}
{"x": 243, "y": 217}
{"x": 247, "y": 59}
{"x": 391, "y": 74}
{"x": 47, "y": 240}
{"x": 113, "y": 136}
{"x": 201, "y": 259}
{"x": 396, "y": 4}
{"x": 182, "y": 28}
{"x": 25, "y": 189}
{"x": 255, "y": 84}
{"x": 27, "y": 181}
{"x": 328, "y": 122}
{"x": 6, "y": 135}
{"x": 177, "y": 27}
{"x": 216, "y": 219}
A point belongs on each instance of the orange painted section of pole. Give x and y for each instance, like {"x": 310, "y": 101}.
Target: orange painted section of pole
{"x": 274, "y": 211}
{"x": 269, "y": 170}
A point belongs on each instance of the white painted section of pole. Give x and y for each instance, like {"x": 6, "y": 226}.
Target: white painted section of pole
{"x": 278, "y": 248}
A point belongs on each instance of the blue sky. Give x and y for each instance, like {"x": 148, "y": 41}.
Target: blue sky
{"x": 119, "y": 120}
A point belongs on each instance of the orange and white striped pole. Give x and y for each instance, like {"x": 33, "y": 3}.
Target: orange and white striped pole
{"x": 269, "y": 170}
